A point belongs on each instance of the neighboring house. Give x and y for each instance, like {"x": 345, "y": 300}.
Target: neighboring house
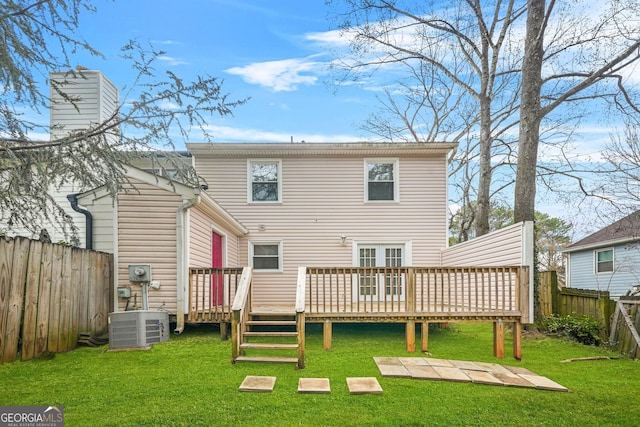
{"x": 607, "y": 260}
{"x": 95, "y": 99}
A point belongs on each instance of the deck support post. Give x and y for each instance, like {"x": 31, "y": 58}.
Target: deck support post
{"x": 224, "y": 333}
{"x": 425, "y": 336}
{"x": 410, "y": 333}
{"x": 517, "y": 340}
{"x": 498, "y": 338}
{"x": 326, "y": 334}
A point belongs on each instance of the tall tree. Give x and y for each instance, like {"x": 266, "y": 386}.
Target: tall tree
{"x": 466, "y": 47}
{"x": 39, "y": 37}
{"x": 571, "y": 57}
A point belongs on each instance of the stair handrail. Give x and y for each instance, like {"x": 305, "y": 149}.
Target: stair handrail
{"x": 240, "y": 310}
{"x": 300, "y": 313}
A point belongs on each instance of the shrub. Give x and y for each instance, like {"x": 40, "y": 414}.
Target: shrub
{"x": 584, "y": 329}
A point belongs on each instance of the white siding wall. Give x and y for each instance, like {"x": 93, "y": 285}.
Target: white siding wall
{"x": 323, "y": 198}
{"x": 626, "y": 270}
{"x": 98, "y": 100}
{"x": 102, "y": 209}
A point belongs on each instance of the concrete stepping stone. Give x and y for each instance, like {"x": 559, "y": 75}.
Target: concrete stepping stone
{"x": 439, "y": 362}
{"x": 413, "y": 361}
{"x": 494, "y": 368}
{"x": 544, "y": 383}
{"x": 519, "y": 371}
{"x": 452, "y": 374}
{"x": 394, "y": 371}
{"x": 257, "y": 384}
{"x": 424, "y": 372}
{"x": 387, "y": 361}
{"x": 364, "y": 385}
{"x": 470, "y": 366}
{"x": 314, "y": 386}
{"x": 482, "y": 377}
{"x": 513, "y": 380}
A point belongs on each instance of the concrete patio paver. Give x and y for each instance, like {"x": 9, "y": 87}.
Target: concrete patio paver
{"x": 463, "y": 371}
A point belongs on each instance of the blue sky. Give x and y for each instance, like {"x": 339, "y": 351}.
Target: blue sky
{"x": 263, "y": 49}
{"x": 275, "y": 52}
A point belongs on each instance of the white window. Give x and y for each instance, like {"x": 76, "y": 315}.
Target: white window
{"x": 266, "y": 256}
{"x": 381, "y": 177}
{"x": 381, "y": 286}
{"x": 264, "y": 181}
{"x": 604, "y": 261}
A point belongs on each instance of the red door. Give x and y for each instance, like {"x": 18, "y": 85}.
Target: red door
{"x": 217, "y": 288}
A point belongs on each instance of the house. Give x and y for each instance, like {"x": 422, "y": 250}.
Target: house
{"x": 607, "y": 260}
{"x": 307, "y": 232}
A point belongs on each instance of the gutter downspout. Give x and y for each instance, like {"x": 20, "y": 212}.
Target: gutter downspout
{"x": 73, "y": 199}
{"x": 181, "y": 259}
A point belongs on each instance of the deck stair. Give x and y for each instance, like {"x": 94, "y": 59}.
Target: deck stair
{"x": 269, "y": 337}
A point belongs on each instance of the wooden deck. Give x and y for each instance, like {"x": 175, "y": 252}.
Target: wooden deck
{"x": 407, "y": 295}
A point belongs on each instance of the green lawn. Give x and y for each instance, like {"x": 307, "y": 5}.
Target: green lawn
{"x": 190, "y": 381}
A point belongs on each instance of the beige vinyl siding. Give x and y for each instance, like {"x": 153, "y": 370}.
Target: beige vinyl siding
{"x": 147, "y": 235}
{"x": 510, "y": 246}
{"x": 324, "y": 198}
{"x": 502, "y": 247}
{"x": 200, "y": 229}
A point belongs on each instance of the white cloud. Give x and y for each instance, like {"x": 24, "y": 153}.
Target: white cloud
{"x": 281, "y": 76}
{"x": 171, "y": 60}
{"x": 168, "y": 42}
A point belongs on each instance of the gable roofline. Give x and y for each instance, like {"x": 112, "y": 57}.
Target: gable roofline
{"x": 622, "y": 231}
{"x": 205, "y": 201}
{"x": 320, "y": 149}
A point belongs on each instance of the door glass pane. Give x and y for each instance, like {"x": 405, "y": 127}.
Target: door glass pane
{"x": 393, "y": 281}
{"x": 368, "y": 282}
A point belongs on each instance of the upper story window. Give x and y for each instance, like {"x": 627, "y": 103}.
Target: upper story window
{"x": 382, "y": 179}
{"x": 264, "y": 179}
{"x": 604, "y": 261}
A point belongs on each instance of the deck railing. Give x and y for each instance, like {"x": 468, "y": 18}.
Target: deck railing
{"x": 241, "y": 310}
{"x": 211, "y": 293}
{"x": 449, "y": 292}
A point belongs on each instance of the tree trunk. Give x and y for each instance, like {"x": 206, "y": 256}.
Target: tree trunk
{"x": 530, "y": 113}
{"x": 484, "y": 165}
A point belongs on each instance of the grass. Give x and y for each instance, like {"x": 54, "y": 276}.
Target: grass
{"x": 189, "y": 381}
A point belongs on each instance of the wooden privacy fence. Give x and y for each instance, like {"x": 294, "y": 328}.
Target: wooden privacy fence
{"x": 625, "y": 326}
{"x": 574, "y": 301}
{"x": 49, "y": 294}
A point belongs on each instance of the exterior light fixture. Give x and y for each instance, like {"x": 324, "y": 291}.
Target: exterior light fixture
{"x": 343, "y": 239}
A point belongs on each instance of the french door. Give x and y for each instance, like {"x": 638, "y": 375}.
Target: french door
{"x": 374, "y": 286}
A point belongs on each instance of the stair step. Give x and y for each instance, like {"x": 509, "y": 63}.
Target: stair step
{"x": 266, "y": 346}
{"x": 271, "y": 322}
{"x": 264, "y": 359}
{"x": 270, "y": 334}
{"x": 273, "y": 313}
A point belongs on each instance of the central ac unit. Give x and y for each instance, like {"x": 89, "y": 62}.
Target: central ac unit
{"x": 137, "y": 329}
